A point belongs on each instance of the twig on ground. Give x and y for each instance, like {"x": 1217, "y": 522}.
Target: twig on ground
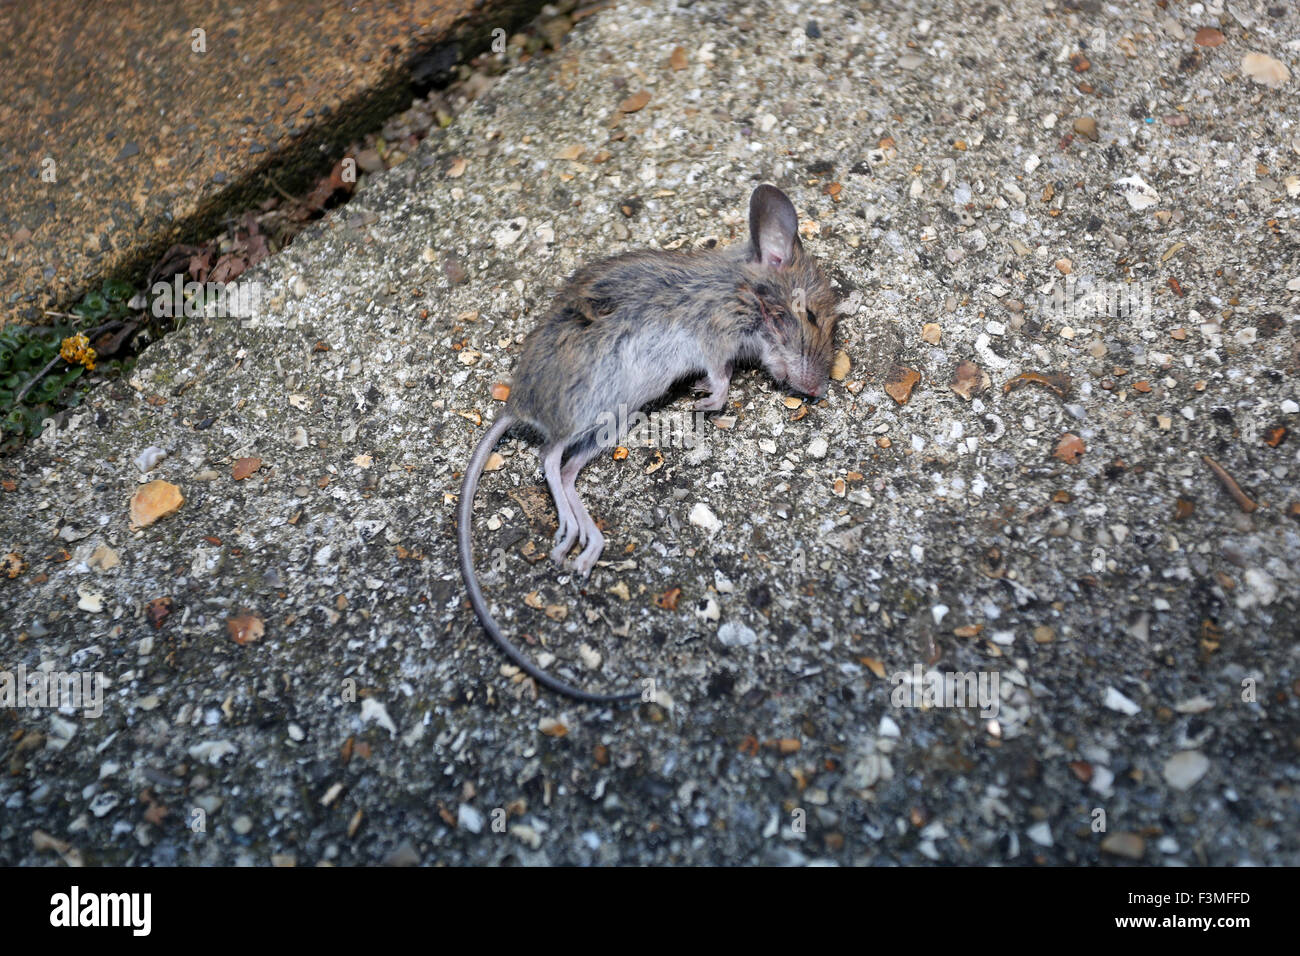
{"x": 1230, "y": 483}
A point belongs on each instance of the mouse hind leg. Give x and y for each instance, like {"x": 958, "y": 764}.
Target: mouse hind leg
{"x": 567, "y": 533}
{"x": 588, "y": 534}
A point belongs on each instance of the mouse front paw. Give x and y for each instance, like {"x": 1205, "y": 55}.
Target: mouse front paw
{"x": 716, "y": 384}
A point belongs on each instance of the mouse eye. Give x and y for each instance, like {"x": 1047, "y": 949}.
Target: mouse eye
{"x": 812, "y": 317}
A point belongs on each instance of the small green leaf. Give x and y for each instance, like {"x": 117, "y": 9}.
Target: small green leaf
{"x": 93, "y": 307}
{"x": 33, "y": 354}
{"x": 117, "y": 290}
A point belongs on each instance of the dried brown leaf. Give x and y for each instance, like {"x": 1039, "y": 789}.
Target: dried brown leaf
{"x": 154, "y": 501}
{"x": 1070, "y": 448}
{"x": 635, "y": 102}
{"x": 900, "y": 383}
{"x": 245, "y": 467}
{"x": 245, "y": 628}
{"x": 969, "y": 380}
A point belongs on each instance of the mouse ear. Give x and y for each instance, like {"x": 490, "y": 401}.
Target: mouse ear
{"x": 773, "y": 226}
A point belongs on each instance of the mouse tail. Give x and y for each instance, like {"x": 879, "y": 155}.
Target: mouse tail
{"x": 464, "y": 515}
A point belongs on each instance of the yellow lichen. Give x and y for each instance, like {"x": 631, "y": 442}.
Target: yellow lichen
{"x": 76, "y": 350}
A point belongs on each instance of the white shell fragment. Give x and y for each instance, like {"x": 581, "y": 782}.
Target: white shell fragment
{"x": 90, "y": 599}
{"x": 1185, "y": 768}
{"x": 148, "y": 459}
{"x": 1139, "y": 193}
{"x": 372, "y": 709}
{"x": 508, "y": 232}
{"x": 1117, "y": 701}
{"x": 702, "y": 516}
{"x": 1265, "y": 70}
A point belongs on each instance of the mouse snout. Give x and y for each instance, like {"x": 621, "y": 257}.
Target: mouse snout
{"x": 810, "y": 377}
{"x": 814, "y": 390}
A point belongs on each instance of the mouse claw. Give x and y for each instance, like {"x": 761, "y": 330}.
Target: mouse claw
{"x": 564, "y": 539}
{"x": 587, "y": 559}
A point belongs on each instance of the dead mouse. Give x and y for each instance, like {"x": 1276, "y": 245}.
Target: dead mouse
{"x": 622, "y": 332}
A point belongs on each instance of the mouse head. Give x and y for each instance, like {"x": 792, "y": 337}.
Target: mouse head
{"x": 794, "y": 306}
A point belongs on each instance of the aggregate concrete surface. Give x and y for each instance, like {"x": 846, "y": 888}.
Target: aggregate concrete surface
{"x": 786, "y": 584}
{"x": 133, "y": 125}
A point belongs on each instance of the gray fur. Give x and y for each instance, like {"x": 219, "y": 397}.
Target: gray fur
{"x": 624, "y": 330}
